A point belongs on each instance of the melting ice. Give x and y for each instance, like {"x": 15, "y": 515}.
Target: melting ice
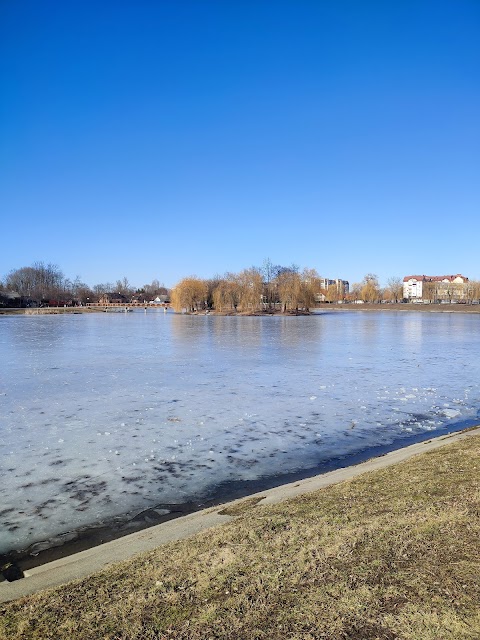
{"x": 109, "y": 414}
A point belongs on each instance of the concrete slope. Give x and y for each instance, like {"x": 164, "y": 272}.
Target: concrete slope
{"x": 87, "y": 562}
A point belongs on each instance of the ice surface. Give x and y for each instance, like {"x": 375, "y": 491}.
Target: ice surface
{"x": 109, "y": 414}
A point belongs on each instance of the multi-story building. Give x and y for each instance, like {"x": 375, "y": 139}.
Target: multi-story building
{"x": 333, "y": 288}
{"x": 435, "y": 288}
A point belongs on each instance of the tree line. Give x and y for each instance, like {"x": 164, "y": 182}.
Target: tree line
{"x": 253, "y": 289}
{"x": 451, "y": 291}
{"x": 275, "y": 287}
{"x": 43, "y": 283}
{"x": 269, "y": 287}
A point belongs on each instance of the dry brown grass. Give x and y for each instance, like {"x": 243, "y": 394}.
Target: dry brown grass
{"x": 394, "y": 554}
{"x": 241, "y": 507}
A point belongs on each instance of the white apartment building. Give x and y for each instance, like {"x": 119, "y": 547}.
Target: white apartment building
{"x": 432, "y": 288}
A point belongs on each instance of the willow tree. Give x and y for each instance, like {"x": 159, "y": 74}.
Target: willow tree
{"x": 289, "y": 287}
{"x": 190, "y": 294}
{"x": 226, "y": 295}
{"x": 250, "y": 289}
{"x": 475, "y": 287}
{"x": 370, "y": 288}
{"x": 211, "y": 284}
{"x": 310, "y": 288}
{"x": 472, "y": 291}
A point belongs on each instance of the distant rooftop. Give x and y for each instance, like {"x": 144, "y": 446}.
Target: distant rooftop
{"x": 425, "y": 278}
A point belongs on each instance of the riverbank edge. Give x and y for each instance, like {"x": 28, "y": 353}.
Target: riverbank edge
{"x": 84, "y": 563}
{"x": 324, "y": 308}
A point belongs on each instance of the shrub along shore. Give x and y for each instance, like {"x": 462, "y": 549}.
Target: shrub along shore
{"x": 391, "y": 554}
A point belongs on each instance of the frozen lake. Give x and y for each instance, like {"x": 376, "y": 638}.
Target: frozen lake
{"x": 104, "y": 415}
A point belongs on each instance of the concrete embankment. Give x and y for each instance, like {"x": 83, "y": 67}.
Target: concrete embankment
{"x": 86, "y": 562}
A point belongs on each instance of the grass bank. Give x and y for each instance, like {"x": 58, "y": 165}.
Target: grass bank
{"x": 393, "y": 554}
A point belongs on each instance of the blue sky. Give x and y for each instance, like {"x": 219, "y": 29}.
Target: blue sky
{"x": 158, "y": 139}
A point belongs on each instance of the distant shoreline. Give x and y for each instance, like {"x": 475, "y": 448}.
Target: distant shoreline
{"x": 349, "y": 307}
{"x": 404, "y": 307}
{"x": 34, "y": 311}
{"x": 409, "y": 306}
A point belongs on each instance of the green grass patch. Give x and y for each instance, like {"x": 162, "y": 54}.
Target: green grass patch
{"x": 393, "y": 554}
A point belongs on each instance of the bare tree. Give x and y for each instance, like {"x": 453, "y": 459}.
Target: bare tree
{"x": 102, "y": 288}
{"x": 124, "y": 287}
{"x": 81, "y": 292}
{"x": 356, "y": 291}
{"x": 150, "y": 291}
{"x": 430, "y": 291}
{"x": 395, "y": 288}
{"x": 270, "y": 286}
{"x": 38, "y": 282}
